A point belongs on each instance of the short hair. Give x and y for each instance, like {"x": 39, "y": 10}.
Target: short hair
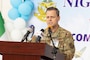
{"x": 53, "y": 8}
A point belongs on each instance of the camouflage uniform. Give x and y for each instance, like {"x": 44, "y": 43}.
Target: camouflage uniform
{"x": 66, "y": 42}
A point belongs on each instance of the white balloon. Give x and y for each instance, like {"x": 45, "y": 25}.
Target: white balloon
{"x": 5, "y": 7}
{"x": 19, "y": 23}
{"x": 16, "y": 35}
{"x": 0, "y": 5}
{"x": 24, "y": 31}
{"x": 9, "y": 26}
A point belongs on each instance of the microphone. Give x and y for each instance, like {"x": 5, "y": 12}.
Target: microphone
{"x": 30, "y": 30}
{"x": 50, "y": 31}
{"x": 38, "y": 38}
{"x": 54, "y": 51}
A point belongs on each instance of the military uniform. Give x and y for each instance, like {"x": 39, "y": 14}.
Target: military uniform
{"x": 65, "y": 44}
{"x": 65, "y": 41}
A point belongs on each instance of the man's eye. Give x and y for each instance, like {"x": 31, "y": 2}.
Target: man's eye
{"x": 52, "y": 17}
{"x": 47, "y": 17}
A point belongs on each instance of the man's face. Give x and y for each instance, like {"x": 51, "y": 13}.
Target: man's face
{"x": 52, "y": 18}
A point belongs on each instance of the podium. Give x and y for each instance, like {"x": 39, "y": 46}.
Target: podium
{"x": 27, "y": 51}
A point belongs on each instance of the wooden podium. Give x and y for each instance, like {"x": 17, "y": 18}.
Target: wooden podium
{"x": 27, "y": 51}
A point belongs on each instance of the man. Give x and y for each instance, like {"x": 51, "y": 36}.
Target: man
{"x": 62, "y": 38}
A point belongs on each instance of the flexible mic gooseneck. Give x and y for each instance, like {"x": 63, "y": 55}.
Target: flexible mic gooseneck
{"x": 54, "y": 51}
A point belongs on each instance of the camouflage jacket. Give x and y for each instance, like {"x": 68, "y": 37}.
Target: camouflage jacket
{"x": 66, "y": 42}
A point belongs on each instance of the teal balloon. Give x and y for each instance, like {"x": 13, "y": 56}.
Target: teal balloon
{"x": 25, "y": 17}
{"x": 25, "y": 9}
{"x": 31, "y": 4}
{"x": 15, "y": 3}
{"x": 13, "y": 13}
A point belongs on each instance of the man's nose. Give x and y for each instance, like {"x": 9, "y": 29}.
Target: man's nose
{"x": 50, "y": 19}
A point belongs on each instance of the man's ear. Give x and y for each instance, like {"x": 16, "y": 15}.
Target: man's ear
{"x": 58, "y": 18}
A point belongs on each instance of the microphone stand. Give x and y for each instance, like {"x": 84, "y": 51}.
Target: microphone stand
{"x": 25, "y": 37}
{"x": 28, "y": 32}
{"x": 54, "y": 51}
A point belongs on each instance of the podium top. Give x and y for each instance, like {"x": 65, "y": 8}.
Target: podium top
{"x": 27, "y": 48}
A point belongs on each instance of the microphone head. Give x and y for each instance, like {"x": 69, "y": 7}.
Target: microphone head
{"x": 42, "y": 30}
{"x": 49, "y": 29}
{"x": 31, "y": 28}
{"x": 39, "y": 33}
{"x": 50, "y": 26}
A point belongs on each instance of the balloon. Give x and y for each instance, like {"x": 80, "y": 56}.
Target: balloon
{"x": 13, "y": 14}
{"x": 24, "y": 31}
{"x": 9, "y": 26}
{"x": 15, "y": 3}
{"x": 25, "y": 17}
{"x": 25, "y": 9}
{"x": 19, "y": 23}
{"x": 31, "y": 4}
{"x": 16, "y": 35}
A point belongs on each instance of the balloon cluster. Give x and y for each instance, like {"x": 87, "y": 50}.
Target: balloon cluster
{"x": 16, "y": 29}
{"x": 20, "y": 9}
{"x": 19, "y": 13}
